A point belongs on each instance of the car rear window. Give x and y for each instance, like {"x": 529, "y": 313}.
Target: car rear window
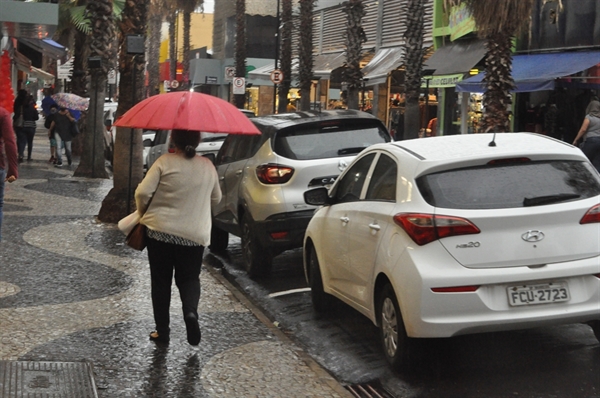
{"x": 328, "y": 140}
{"x": 510, "y": 185}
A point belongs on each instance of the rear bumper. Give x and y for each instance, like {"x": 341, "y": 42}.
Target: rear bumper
{"x": 293, "y": 223}
{"x": 430, "y": 314}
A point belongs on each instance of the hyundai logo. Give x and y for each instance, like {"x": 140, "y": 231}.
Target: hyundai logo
{"x": 533, "y": 235}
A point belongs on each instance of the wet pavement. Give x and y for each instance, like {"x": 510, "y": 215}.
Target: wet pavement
{"x": 71, "y": 291}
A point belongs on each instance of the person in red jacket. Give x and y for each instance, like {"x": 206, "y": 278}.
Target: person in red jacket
{"x": 9, "y": 169}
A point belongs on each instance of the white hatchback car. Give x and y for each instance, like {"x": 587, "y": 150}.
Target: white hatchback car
{"x": 444, "y": 236}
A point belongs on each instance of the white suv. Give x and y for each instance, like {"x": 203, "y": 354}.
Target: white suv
{"x": 263, "y": 177}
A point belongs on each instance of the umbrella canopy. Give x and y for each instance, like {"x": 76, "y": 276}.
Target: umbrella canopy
{"x": 71, "y": 101}
{"x": 185, "y": 110}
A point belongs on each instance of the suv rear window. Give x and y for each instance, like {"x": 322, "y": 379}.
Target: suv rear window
{"x": 329, "y": 139}
{"x": 510, "y": 185}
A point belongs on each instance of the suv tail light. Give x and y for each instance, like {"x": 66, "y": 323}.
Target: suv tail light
{"x": 425, "y": 228}
{"x": 592, "y": 216}
{"x": 274, "y": 173}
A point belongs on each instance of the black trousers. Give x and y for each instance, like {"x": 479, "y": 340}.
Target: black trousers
{"x": 185, "y": 261}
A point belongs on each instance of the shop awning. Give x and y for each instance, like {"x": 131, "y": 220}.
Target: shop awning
{"x": 537, "y": 72}
{"x": 383, "y": 62}
{"x": 458, "y": 57}
{"x": 262, "y": 74}
{"x": 47, "y": 47}
{"x": 41, "y": 74}
{"x": 325, "y": 63}
{"x": 22, "y": 62}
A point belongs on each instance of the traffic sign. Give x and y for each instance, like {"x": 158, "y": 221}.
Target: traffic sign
{"x": 277, "y": 76}
{"x": 239, "y": 85}
{"x": 229, "y": 73}
{"x": 174, "y": 83}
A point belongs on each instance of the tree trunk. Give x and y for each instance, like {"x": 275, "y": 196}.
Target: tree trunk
{"x": 154, "y": 53}
{"x": 414, "y": 66}
{"x": 286, "y": 54}
{"x": 173, "y": 46}
{"x": 127, "y": 162}
{"x": 187, "y": 20}
{"x": 355, "y": 37}
{"x": 305, "y": 52}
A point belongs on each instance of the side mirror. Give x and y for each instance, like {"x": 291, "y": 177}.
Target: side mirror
{"x": 108, "y": 122}
{"x": 147, "y": 142}
{"x": 317, "y": 196}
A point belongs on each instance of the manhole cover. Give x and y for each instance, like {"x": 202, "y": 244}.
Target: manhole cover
{"x": 46, "y": 379}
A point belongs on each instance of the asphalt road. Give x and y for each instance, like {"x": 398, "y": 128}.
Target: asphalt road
{"x": 562, "y": 361}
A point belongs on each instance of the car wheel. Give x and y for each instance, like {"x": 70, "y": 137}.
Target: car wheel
{"x": 596, "y": 328}
{"x": 393, "y": 336}
{"x": 219, "y": 240}
{"x": 321, "y": 301}
{"x": 257, "y": 259}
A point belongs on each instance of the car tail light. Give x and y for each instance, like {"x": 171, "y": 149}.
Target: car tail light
{"x": 274, "y": 173}
{"x": 425, "y": 228}
{"x": 592, "y": 216}
{"x": 597, "y": 276}
{"x": 455, "y": 289}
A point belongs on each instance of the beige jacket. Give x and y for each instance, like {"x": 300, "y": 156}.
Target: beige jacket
{"x": 180, "y": 192}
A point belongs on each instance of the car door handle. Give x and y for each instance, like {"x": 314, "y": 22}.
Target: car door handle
{"x": 345, "y": 220}
{"x": 375, "y": 227}
{"x": 237, "y": 173}
{"x": 221, "y": 178}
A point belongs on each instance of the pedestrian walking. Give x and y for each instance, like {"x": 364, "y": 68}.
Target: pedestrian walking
{"x": 53, "y": 110}
{"x": 61, "y": 126}
{"x": 9, "y": 169}
{"x": 174, "y": 200}
{"x": 18, "y": 120}
{"x": 590, "y": 132}
{"x": 30, "y": 117}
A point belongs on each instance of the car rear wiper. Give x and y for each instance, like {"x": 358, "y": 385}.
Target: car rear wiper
{"x": 548, "y": 199}
{"x": 352, "y": 150}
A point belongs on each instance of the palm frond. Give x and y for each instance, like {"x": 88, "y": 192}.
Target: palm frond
{"x": 80, "y": 19}
{"x": 118, "y": 7}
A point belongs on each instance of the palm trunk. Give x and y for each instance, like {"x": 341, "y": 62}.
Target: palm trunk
{"x": 173, "y": 46}
{"x": 286, "y": 54}
{"x": 154, "y": 53}
{"x": 355, "y": 37}
{"x": 240, "y": 48}
{"x": 305, "y": 52}
{"x": 414, "y": 67}
{"x": 187, "y": 19}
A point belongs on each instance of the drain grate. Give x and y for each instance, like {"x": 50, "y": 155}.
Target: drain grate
{"x": 372, "y": 389}
{"x": 46, "y": 379}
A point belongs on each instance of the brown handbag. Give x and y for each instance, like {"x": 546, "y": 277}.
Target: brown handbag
{"x": 137, "y": 237}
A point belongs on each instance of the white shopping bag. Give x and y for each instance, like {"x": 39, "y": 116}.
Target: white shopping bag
{"x": 127, "y": 223}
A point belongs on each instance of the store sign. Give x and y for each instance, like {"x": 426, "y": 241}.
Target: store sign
{"x": 442, "y": 81}
{"x": 63, "y": 71}
{"x": 211, "y": 80}
{"x": 460, "y": 22}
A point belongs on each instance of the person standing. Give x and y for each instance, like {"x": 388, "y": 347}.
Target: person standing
{"x": 9, "y": 169}
{"x": 48, "y": 124}
{"x": 174, "y": 200}
{"x": 18, "y": 120}
{"x": 30, "y": 117}
{"x": 61, "y": 126}
{"x": 590, "y": 129}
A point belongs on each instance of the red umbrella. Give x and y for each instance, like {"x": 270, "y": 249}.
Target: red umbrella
{"x": 186, "y": 110}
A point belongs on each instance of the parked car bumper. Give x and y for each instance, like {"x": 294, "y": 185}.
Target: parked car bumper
{"x": 431, "y": 314}
{"x": 285, "y": 231}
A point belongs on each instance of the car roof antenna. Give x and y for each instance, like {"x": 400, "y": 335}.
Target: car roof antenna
{"x": 493, "y": 141}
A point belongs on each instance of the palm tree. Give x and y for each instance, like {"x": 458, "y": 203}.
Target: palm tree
{"x": 240, "y": 48}
{"x": 413, "y": 62}
{"x": 127, "y": 169}
{"x": 173, "y": 17}
{"x": 497, "y": 21}
{"x": 355, "y": 37}
{"x": 158, "y": 10}
{"x": 305, "y": 52}
{"x": 188, "y": 7}
{"x": 102, "y": 47}
{"x": 285, "y": 62}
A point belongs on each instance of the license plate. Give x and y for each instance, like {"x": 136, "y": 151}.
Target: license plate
{"x": 554, "y": 292}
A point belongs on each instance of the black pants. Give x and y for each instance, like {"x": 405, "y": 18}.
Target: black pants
{"x": 591, "y": 149}
{"x": 186, "y": 261}
{"x": 29, "y": 135}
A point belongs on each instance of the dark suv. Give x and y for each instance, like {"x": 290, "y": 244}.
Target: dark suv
{"x": 263, "y": 177}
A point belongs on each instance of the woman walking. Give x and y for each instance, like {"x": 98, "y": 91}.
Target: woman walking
{"x": 174, "y": 201}
{"x": 590, "y": 129}
{"x": 30, "y": 117}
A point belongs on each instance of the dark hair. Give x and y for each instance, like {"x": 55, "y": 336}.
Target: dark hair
{"x": 186, "y": 140}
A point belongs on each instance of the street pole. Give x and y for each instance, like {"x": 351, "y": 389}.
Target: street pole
{"x": 131, "y": 144}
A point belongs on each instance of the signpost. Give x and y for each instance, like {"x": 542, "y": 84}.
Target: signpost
{"x": 277, "y": 76}
{"x": 239, "y": 85}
